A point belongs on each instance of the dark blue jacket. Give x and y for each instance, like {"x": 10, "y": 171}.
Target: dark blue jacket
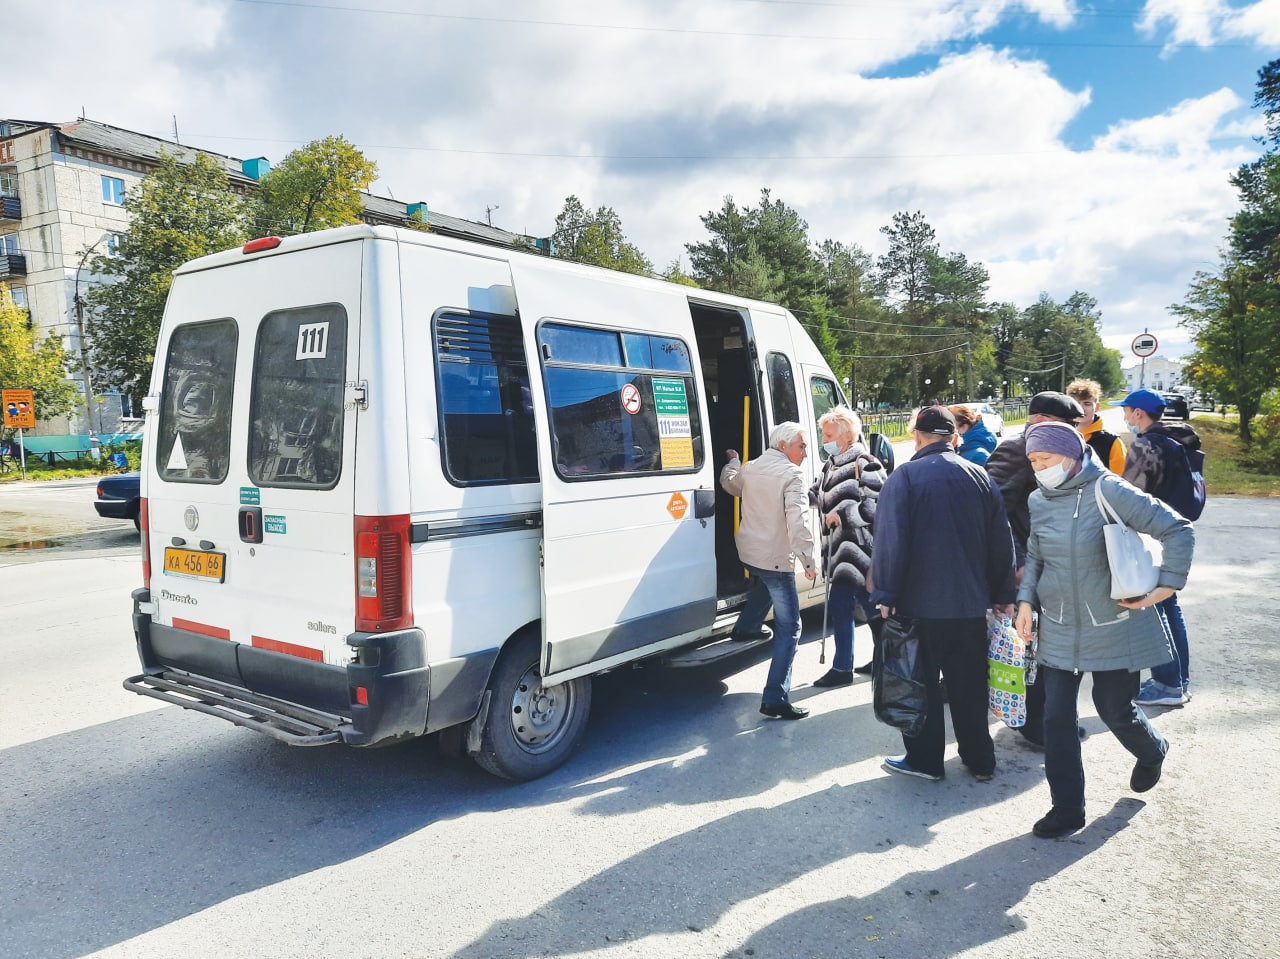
{"x": 943, "y": 546}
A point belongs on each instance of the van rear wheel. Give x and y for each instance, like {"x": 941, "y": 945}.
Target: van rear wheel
{"x": 531, "y": 729}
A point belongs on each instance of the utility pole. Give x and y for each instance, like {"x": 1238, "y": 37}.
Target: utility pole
{"x": 84, "y": 353}
{"x": 968, "y": 359}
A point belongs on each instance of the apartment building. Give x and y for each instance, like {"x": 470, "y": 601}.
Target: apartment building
{"x": 62, "y": 189}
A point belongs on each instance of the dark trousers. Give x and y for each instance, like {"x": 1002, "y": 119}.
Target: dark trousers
{"x": 1113, "y": 692}
{"x": 958, "y": 649}
{"x": 1033, "y": 729}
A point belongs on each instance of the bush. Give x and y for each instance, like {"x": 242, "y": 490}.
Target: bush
{"x": 133, "y": 455}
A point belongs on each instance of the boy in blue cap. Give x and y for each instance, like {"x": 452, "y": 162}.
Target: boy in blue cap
{"x": 1147, "y": 467}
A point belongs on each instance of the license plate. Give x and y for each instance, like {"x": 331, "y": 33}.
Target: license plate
{"x": 194, "y": 563}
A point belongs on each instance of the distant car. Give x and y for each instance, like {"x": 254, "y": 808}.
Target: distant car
{"x": 990, "y": 418}
{"x": 1175, "y": 404}
{"x": 119, "y": 497}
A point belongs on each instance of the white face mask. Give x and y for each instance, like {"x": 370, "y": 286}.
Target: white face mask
{"x": 1134, "y": 427}
{"x": 1051, "y": 477}
{"x": 831, "y": 448}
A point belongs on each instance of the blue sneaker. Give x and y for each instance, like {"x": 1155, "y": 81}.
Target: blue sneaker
{"x": 898, "y": 764}
{"x": 1153, "y": 693}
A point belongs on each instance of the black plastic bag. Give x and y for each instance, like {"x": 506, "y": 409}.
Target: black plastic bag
{"x": 897, "y": 676}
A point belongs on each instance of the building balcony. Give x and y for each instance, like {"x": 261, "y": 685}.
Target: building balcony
{"x": 10, "y": 209}
{"x": 12, "y": 264}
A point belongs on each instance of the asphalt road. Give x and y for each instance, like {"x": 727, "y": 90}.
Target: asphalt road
{"x": 688, "y": 826}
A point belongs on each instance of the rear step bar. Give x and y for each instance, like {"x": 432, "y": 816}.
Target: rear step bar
{"x": 295, "y": 725}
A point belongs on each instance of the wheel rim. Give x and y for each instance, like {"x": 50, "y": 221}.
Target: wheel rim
{"x": 540, "y": 714}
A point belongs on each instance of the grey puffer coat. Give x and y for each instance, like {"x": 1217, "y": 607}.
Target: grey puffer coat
{"x": 849, "y": 486}
{"x": 1068, "y": 581}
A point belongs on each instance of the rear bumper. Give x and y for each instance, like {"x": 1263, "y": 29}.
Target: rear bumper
{"x": 380, "y": 697}
{"x": 115, "y": 508}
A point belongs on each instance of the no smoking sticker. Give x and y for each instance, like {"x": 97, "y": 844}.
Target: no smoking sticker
{"x": 631, "y": 399}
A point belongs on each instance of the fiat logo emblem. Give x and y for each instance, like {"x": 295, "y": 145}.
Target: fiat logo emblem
{"x": 191, "y": 518}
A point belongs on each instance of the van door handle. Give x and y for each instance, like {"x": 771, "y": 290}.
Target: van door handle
{"x": 250, "y": 523}
{"x": 704, "y": 503}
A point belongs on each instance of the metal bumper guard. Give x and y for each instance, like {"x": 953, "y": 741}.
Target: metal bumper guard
{"x": 315, "y": 704}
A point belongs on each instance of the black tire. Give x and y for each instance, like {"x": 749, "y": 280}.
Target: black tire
{"x": 137, "y": 519}
{"x": 530, "y": 730}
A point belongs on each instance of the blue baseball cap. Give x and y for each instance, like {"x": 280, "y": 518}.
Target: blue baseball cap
{"x": 1149, "y": 401}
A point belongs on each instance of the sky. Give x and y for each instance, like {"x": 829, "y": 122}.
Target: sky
{"x": 1065, "y": 145}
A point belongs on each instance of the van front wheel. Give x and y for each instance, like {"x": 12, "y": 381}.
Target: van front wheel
{"x": 531, "y": 729}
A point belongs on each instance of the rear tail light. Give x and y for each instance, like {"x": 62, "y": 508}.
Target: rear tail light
{"x": 144, "y": 523}
{"x": 99, "y": 491}
{"x": 383, "y": 573}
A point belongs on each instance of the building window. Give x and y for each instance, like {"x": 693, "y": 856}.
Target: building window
{"x": 19, "y": 296}
{"x": 9, "y": 182}
{"x": 112, "y": 190}
{"x": 9, "y": 244}
{"x": 113, "y": 244}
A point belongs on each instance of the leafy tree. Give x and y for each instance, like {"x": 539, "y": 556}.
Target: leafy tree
{"x": 182, "y": 210}
{"x": 905, "y": 269}
{"x": 760, "y": 252}
{"x": 315, "y": 187}
{"x": 29, "y": 363}
{"x": 675, "y": 274}
{"x": 597, "y": 238}
{"x": 1235, "y": 320}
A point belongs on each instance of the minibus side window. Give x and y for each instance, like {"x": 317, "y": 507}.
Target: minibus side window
{"x": 825, "y": 397}
{"x": 619, "y": 403}
{"x": 487, "y": 433}
{"x": 296, "y": 408}
{"x": 193, "y": 440}
{"x": 782, "y": 386}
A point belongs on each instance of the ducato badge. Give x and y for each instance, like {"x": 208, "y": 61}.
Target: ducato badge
{"x": 191, "y": 517}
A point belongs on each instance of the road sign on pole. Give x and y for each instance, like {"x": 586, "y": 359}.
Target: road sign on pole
{"x": 19, "y": 407}
{"x": 1144, "y": 345}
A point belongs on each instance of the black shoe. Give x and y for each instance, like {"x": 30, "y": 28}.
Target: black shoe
{"x": 751, "y": 634}
{"x": 1144, "y": 777}
{"x": 783, "y": 711}
{"x": 864, "y": 669}
{"x": 835, "y": 677}
{"x": 1059, "y": 822}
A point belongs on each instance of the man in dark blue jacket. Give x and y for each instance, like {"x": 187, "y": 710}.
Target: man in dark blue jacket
{"x": 943, "y": 557}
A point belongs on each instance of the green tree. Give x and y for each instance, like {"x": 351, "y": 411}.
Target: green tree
{"x": 906, "y": 268}
{"x": 182, "y": 210}
{"x": 30, "y": 363}
{"x": 597, "y": 238}
{"x": 315, "y": 187}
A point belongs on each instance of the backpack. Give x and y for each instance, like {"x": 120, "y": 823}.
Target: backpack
{"x": 1183, "y": 485}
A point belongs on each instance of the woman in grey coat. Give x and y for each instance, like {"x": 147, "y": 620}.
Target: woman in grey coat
{"x": 1082, "y": 629}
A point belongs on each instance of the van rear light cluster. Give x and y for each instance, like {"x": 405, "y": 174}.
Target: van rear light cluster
{"x": 144, "y": 524}
{"x": 383, "y": 573}
{"x": 260, "y": 244}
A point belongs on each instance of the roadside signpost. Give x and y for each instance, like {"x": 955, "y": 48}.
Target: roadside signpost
{"x": 19, "y": 409}
{"x": 1144, "y": 345}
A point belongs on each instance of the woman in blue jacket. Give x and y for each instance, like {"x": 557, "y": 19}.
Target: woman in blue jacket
{"x": 1082, "y": 629}
{"x": 977, "y": 442}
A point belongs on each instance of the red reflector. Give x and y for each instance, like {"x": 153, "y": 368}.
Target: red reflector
{"x": 362, "y": 696}
{"x": 144, "y": 524}
{"x": 260, "y": 244}
{"x": 289, "y": 649}
{"x": 217, "y": 632}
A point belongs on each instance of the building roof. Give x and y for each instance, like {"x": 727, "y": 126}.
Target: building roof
{"x": 103, "y": 137}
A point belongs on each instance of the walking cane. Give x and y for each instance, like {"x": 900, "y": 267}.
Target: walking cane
{"x": 826, "y": 604}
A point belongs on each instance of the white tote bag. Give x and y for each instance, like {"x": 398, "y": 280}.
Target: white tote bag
{"x": 1134, "y": 557}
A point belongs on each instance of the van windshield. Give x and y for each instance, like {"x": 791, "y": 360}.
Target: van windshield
{"x": 299, "y": 370}
{"x": 194, "y": 437}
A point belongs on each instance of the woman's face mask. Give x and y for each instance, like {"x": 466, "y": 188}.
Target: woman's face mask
{"x": 831, "y": 448}
{"x": 1051, "y": 477}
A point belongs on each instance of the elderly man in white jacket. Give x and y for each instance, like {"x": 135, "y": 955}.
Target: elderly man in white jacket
{"x": 772, "y": 536}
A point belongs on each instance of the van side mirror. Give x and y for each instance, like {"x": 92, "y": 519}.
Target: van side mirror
{"x": 878, "y": 445}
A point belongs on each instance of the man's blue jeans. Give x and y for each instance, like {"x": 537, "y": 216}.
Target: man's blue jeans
{"x": 1175, "y": 675}
{"x": 777, "y": 589}
{"x": 1113, "y": 692}
{"x": 841, "y": 608}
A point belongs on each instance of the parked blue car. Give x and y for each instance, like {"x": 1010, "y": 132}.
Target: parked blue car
{"x": 119, "y": 497}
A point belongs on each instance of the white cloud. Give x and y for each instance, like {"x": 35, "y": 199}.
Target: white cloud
{"x": 659, "y": 110}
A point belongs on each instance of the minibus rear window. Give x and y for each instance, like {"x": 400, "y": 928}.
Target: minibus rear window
{"x": 296, "y": 410}
{"x": 640, "y": 416}
{"x": 193, "y": 443}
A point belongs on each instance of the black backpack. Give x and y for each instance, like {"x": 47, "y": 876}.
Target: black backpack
{"x": 1183, "y": 484}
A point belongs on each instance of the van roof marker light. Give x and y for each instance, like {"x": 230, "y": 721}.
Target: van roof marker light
{"x": 260, "y": 244}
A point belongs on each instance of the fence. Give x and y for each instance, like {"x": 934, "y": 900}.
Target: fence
{"x": 896, "y": 424}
